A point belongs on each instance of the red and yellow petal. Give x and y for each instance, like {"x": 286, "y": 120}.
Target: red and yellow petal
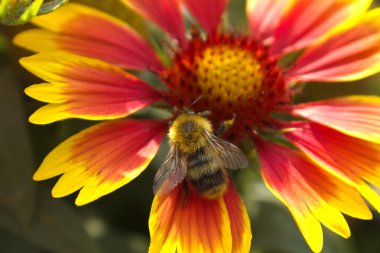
{"x": 312, "y": 195}
{"x": 165, "y": 221}
{"x": 305, "y": 21}
{"x": 102, "y": 158}
{"x": 264, "y": 17}
{"x": 240, "y": 225}
{"x": 353, "y": 160}
{"x": 349, "y": 52}
{"x": 84, "y": 88}
{"x": 194, "y": 224}
{"x": 165, "y": 13}
{"x": 207, "y": 12}
{"x": 357, "y": 116}
{"x": 81, "y": 30}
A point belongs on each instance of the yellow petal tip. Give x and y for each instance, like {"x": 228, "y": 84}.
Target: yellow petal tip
{"x": 55, "y": 194}
{"x": 34, "y": 119}
{"x": 79, "y": 201}
{"x": 24, "y": 61}
{"x": 18, "y": 40}
{"x": 37, "y": 176}
{"x": 28, "y": 63}
{"x": 58, "y": 192}
{"x": 29, "y": 91}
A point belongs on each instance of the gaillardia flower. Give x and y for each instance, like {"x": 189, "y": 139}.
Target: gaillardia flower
{"x": 321, "y": 162}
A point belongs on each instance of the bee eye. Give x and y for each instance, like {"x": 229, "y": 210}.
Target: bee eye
{"x": 187, "y": 127}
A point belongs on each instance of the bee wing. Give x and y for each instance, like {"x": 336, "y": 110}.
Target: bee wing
{"x": 230, "y": 156}
{"x": 171, "y": 172}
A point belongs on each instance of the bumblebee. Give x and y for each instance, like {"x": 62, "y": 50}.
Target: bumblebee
{"x": 199, "y": 156}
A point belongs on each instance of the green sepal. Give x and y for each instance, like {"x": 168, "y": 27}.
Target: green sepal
{"x": 18, "y": 13}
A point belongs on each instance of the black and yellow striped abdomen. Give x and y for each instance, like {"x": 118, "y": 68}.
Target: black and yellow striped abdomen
{"x": 205, "y": 175}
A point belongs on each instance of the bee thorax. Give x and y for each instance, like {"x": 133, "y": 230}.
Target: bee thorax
{"x": 186, "y": 132}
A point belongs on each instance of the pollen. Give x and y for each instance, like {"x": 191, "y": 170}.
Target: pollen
{"x": 234, "y": 77}
{"x": 228, "y": 72}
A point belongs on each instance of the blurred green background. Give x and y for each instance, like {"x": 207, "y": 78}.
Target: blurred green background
{"x": 31, "y": 221}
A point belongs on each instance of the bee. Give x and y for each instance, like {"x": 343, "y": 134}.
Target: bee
{"x": 199, "y": 156}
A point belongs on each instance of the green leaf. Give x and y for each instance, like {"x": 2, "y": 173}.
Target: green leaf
{"x": 51, "y": 6}
{"x": 30, "y": 12}
{"x": 3, "y": 8}
{"x": 18, "y": 12}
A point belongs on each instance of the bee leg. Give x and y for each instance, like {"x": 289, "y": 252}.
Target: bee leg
{"x": 185, "y": 193}
{"x": 223, "y": 127}
{"x": 205, "y": 114}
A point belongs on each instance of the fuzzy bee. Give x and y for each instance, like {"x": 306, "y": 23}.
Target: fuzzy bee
{"x": 199, "y": 156}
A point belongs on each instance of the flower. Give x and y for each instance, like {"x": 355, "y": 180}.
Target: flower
{"x": 320, "y": 162}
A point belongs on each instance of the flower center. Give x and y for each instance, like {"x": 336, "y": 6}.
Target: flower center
{"x": 233, "y": 75}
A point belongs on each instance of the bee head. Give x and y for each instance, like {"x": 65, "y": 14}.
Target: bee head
{"x": 188, "y": 111}
{"x": 187, "y": 130}
{"x": 204, "y": 114}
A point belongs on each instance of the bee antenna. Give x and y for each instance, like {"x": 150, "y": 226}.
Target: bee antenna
{"x": 195, "y": 101}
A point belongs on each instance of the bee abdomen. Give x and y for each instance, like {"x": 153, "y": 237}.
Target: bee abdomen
{"x": 197, "y": 159}
{"x": 210, "y": 185}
